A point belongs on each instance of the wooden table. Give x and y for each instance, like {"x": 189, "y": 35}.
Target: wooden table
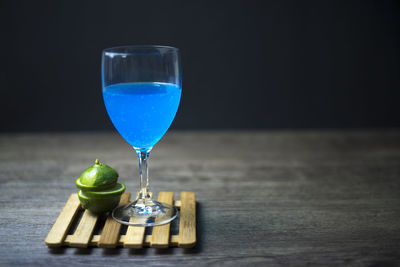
{"x": 280, "y": 198}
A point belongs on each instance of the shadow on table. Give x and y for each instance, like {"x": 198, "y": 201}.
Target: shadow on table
{"x": 78, "y": 251}
{"x": 57, "y": 251}
{"x": 83, "y": 251}
{"x": 111, "y": 251}
{"x": 138, "y": 251}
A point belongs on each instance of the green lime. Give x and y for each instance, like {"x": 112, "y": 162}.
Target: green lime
{"x": 97, "y": 177}
{"x": 98, "y": 205}
{"x": 116, "y": 190}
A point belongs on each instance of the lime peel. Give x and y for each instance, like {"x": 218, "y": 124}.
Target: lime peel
{"x": 99, "y": 190}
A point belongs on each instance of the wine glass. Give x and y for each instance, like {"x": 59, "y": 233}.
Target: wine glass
{"x": 142, "y": 88}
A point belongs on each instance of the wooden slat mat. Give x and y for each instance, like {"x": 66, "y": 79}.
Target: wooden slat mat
{"x": 135, "y": 236}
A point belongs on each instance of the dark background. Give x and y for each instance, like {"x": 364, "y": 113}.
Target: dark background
{"x": 246, "y": 64}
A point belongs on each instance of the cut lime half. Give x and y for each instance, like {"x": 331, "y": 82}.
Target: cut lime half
{"x": 98, "y": 205}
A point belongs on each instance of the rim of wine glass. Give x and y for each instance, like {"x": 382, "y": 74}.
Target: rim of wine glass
{"x": 112, "y": 49}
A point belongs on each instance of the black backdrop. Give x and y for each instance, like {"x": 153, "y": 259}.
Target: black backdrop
{"x": 247, "y": 64}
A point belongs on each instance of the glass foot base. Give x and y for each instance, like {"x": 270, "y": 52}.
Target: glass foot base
{"x": 148, "y": 213}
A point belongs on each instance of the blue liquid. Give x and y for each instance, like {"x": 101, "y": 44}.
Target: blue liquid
{"x": 142, "y": 112}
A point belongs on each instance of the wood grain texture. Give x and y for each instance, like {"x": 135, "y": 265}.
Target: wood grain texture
{"x": 160, "y": 234}
{"x": 60, "y": 228}
{"x": 187, "y": 223}
{"x": 324, "y": 198}
{"x": 84, "y": 231}
{"x": 109, "y": 237}
{"x": 134, "y": 235}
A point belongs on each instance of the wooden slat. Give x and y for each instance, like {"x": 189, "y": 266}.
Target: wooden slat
{"x": 60, "y": 228}
{"x": 96, "y": 238}
{"x": 174, "y": 241}
{"x": 160, "y": 234}
{"x": 187, "y": 223}
{"x": 134, "y": 235}
{"x": 83, "y": 232}
{"x": 177, "y": 204}
{"x": 146, "y": 240}
{"x": 110, "y": 235}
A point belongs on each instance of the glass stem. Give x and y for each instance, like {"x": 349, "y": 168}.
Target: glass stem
{"x": 143, "y": 157}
